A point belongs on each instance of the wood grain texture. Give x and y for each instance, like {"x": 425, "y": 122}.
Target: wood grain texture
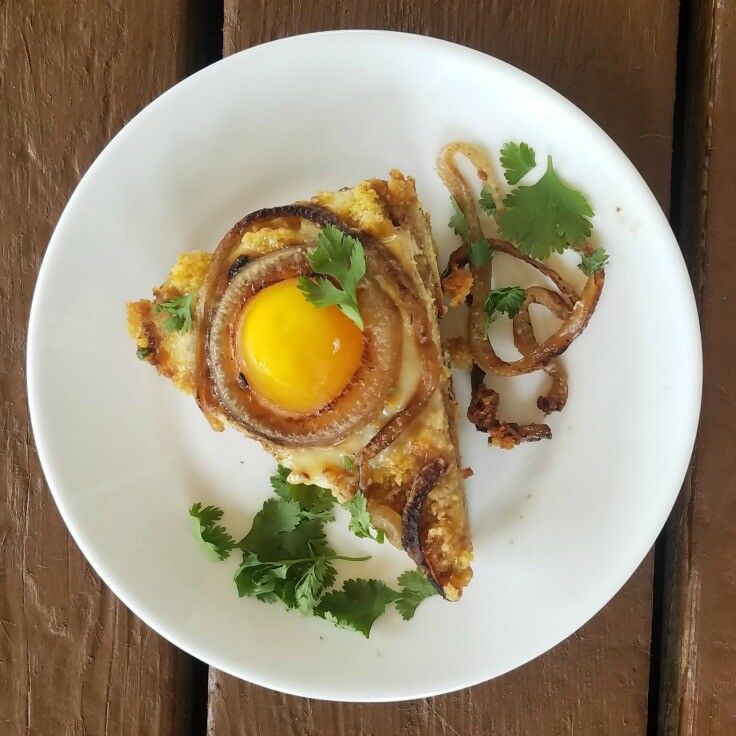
{"x": 699, "y": 671}
{"x": 73, "y": 659}
{"x": 617, "y": 62}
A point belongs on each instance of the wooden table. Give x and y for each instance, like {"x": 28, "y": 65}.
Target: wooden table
{"x": 660, "y": 658}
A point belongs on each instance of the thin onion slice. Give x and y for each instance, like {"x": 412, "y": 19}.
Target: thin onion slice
{"x": 412, "y": 537}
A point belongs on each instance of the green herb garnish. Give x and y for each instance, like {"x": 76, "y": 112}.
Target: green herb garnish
{"x": 479, "y": 253}
{"x": 143, "y": 353}
{"x": 287, "y": 559}
{"x": 458, "y": 221}
{"x": 180, "y": 309}
{"x": 216, "y": 541}
{"x": 340, "y": 256}
{"x": 414, "y": 589}
{"x": 486, "y": 200}
{"x": 592, "y": 262}
{"x": 545, "y": 217}
{"x": 347, "y": 462}
{"x": 314, "y": 502}
{"x": 360, "y": 522}
{"x": 517, "y": 160}
{"x": 506, "y": 300}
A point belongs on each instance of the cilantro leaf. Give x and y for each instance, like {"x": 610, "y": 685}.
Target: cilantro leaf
{"x": 486, "y": 200}
{"x": 414, "y": 589}
{"x": 341, "y": 256}
{"x": 259, "y": 579}
{"x": 360, "y": 522}
{"x": 143, "y": 353}
{"x": 545, "y": 217}
{"x": 180, "y": 309}
{"x": 314, "y": 501}
{"x": 348, "y": 462}
{"x": 318, "y": 576}
{"x": 480, "y": 253}
{"x": 457, "y": 221}
{"x": 271, "y": 526}
{"x": 506, "y": 300}
{"x": 592, "y": 262}
{"x": 517, "y": 160}
{"x": 214, "y": 538}
{"x": 357, "y": 605}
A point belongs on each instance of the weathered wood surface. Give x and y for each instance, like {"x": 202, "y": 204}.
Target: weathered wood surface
{"x": 698, "y": 696}
{"x": 73, "y": 659}
{"x": 617, "y": 62}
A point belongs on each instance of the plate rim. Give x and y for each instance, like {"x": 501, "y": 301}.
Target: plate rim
{"x": 693, "y": 340}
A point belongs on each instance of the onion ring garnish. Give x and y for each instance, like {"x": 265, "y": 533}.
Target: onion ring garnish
{"x": 385, "y": 292}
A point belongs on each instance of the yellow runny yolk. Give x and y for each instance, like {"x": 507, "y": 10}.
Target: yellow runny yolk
{"x": 294, "y": 354}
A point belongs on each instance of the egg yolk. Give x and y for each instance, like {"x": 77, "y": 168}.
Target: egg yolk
{"x": 294, "y": 354}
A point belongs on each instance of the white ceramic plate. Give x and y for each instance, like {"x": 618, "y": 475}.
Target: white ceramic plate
{"x": 558, "y": 526}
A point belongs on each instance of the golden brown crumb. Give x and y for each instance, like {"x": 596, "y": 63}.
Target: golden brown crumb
{"x": 457, "y": 285}
{"x": 459, "y": 350}
{"x": 467, "y": 473}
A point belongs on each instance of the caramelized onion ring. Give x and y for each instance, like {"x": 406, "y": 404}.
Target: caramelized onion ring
{"x": 480, "y": 346}
{"x": 384, "y": 294}
{"x": 526, "y": 341}
{"x": 357, "y": 405}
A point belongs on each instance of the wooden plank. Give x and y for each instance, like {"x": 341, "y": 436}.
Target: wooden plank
{"x": 617, "y": 62}
{"x": 73, "y": 659}
{"x": 699, "y": 667}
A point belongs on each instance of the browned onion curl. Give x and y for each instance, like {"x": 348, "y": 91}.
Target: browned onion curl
{"x": 482, "y": 413}
{"x": 573, "y": 309}
{"x": 411, "y": 532}
{"x": 526, "y": 341}
{"x": 221, "y": 387}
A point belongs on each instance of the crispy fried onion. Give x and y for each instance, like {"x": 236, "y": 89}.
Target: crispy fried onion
{"x": 482, "y": 413}
{"x": 572, "y": 309}
{"x": 385, "y": 293}
{"x": 412, "y": 537}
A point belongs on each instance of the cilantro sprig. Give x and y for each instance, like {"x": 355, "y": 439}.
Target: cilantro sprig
{"x": 592, "y": 262}
{"x": 314, "y": 502}
{"x": 180, "y": 310}
{"x": 517, "y": 160}
{"x": 505, "y": 300}
{"x": 286, "y": 558}
{"x": 360, "y": 522}
{"x": 546, "y": 217}
{"x": 486, "y": 201}
{"x": 215, "y": 540}
{"x": 414, "y": 589}
{"x": 479, "y": 253}
{"x": 340, "y": 256}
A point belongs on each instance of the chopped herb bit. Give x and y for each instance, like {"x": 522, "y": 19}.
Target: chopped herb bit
{"x": 486, "y": 200}
{"x": 314, "y": 501}
{"x": 506, "y": 300}
{"x": 458, "y": 222}
{"x": 360, "y": 522}
{"x": 347, "y": 462}
{"x": 180, "y": 309}
{"x": 517, "y": 160}
{"x": 480, "y": 253}
{"x": 143, "y": 353}
{"x": 595, "y": 261}
{"x": 357, "y": 605}
{"x": 214, "y": 538}
{"x": 414, "y": 589}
